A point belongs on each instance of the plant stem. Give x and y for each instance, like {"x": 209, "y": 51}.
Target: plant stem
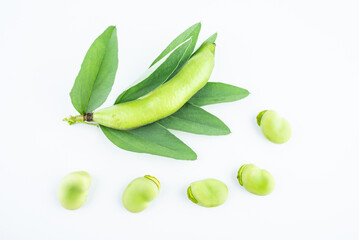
{"x": 77, "y": 119}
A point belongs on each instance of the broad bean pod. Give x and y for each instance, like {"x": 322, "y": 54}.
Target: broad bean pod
{"x": 164, "y": 100}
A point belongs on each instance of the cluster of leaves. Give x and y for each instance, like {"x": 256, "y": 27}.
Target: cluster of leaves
{"x": 96, "y": 77}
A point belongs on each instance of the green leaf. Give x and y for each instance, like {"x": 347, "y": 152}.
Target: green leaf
{"x": 97, "y": 74}
{"x": 212, "y": 39}
{"x": 156, "y": 75}
{"x": 191, "y": 32}
{"x": 216, "y": 92}
{"x": 194, "y": 119}
{"x": 152, "y": 139}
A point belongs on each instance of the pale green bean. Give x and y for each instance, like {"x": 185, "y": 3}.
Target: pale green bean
{"x": 275, "y": 128}
{"x": 255, "y": 180}
{"x": 208, "y": 192}
{"x": 140, "y": 192}
{"x": 73, "y": 190}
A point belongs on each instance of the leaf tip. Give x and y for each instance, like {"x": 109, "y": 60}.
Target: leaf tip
{"x": 193, "y": 157}
{"x": 229, "y": 131}
{"x": 198, "y": 25}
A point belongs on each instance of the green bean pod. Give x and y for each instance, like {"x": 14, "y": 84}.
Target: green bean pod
{"x": 164, "y": 100}
{"x": 73, "y": 190}
{"x": 140, "y": 192}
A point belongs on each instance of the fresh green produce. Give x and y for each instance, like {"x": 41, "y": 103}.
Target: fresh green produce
{"x": 255, "y": 180}
{"x": 193, "y": 119}
{"x": 154, "y": 139}
{"x": 275, "y": 128}
{"x": 140, "y": 192}
{"x": 95, "y": 79}
{"x": 164, "y": 100}
{"x": 216, "y": 92}
{"x": 158, "y": 73}
{"x": 73, "y": 190}
{"x": 169, "y": 95}
{"x": 208, "y": 192}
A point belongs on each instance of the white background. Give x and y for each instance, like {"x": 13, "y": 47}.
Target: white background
{"x": 297, "y": 57}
